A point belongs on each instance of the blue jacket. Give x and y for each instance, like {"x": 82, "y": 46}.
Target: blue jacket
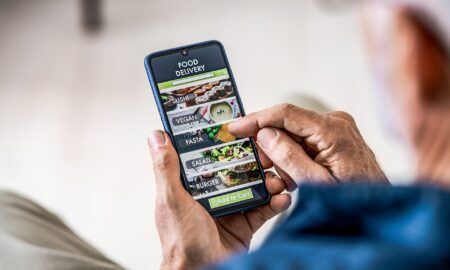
{"x": 358, "y": 227}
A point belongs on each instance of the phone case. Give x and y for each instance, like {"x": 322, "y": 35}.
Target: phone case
{"x": 167, "y": 128}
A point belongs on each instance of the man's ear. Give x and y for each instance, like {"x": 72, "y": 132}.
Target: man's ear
{"x": 429, "y": 65}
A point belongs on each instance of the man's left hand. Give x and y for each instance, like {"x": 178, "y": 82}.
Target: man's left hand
{"x": 190, "y": 237}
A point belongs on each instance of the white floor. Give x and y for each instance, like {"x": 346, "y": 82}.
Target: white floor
{"x": 75, "y": 109}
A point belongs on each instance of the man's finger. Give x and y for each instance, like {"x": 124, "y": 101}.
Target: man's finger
{"x": 274, "y": 184}
{"x": 165, "y": 162}
{"x": 278, "y": 203}
{"x": 289, "y": 182}
{"x": 290, "y": 156}
{"x": 265, "y": 161}
{"x": 296, "y": 120}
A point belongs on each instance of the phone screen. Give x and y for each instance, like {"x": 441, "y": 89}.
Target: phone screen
{"x": 198, "y": 99}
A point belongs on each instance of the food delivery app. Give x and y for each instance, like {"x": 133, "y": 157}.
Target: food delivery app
{"x": 200, "y": 101}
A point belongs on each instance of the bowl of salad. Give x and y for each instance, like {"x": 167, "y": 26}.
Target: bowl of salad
{"x": 230, "y": 152}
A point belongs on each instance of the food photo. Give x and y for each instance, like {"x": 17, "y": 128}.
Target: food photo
{"x": 224, "y": 178}
{"x": 202, "y": 138}
{"x": 216, "y": 157}
{"x": 203, "y": 115}
{"x": 195, "y": 95}
{"x": 225, "y": 135}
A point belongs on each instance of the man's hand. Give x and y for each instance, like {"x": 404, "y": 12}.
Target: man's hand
{"x": 307, "y": 146}
{"x": 190, "y": 237}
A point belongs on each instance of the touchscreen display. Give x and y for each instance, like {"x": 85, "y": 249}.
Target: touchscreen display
{"x": 200, "y": 100}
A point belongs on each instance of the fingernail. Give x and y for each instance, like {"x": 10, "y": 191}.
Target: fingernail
{"x": 156, "y": 139}
{"x": 266, "y": 136}
{"x": 274, "y": 175}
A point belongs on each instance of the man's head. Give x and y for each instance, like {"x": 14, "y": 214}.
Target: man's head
{"x": 409, "y": 47}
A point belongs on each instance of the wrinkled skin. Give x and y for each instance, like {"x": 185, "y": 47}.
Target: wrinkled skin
{"x": 301, "y": 145}
{"x": 189, "y": 236}
{"x": 308, "y": 146}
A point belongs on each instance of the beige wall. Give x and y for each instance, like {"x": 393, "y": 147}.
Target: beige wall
{"x": 75, "y": 109}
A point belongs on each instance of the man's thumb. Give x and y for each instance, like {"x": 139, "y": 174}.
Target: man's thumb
{"x": 165, "y": 160}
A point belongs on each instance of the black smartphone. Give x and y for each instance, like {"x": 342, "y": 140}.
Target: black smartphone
{"x": 197, "y": 98}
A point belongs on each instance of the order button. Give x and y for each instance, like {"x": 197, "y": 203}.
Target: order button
{"x": 234, "y": 197}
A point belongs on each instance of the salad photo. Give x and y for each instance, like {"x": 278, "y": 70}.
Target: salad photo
{"x": 217, "y": 157}
{"x": 230, "y": 152}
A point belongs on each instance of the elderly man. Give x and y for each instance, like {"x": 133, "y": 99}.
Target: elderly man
{"x": 348, "y": 226}
{"x": 362, "y": 224}
{"x": 351, "y": 226}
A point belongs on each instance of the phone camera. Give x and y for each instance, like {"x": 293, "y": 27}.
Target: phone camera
{"x": 184, "y": 52}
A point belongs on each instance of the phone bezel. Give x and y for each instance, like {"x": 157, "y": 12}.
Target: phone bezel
{"x": 226, "y": 210}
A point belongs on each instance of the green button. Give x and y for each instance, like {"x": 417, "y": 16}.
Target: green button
{"x": 234, "y": 197}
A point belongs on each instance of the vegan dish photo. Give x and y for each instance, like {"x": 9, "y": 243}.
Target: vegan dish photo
{"x": 203, "y": 115}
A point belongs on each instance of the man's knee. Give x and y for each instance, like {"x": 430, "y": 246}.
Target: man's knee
{"x": 9, "y": 200}
{"x": 15, "y": 208}
{"x": 7, "y": 196}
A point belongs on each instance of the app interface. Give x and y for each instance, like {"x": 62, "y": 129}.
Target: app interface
{"x": 200, "y": 101}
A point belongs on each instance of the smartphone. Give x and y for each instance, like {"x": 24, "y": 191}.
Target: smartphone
{"x": 197, "y": 98}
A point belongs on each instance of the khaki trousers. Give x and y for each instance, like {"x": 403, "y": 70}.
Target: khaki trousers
{"x": 33, "y": 238}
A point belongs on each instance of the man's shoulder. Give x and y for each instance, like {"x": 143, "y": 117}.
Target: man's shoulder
{"x": 358, "y": 226}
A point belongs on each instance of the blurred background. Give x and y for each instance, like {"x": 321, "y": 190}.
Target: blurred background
{"x": 76, "y": 106}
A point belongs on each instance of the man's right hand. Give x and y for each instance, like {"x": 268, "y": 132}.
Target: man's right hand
{"x": 308, "y": 146}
